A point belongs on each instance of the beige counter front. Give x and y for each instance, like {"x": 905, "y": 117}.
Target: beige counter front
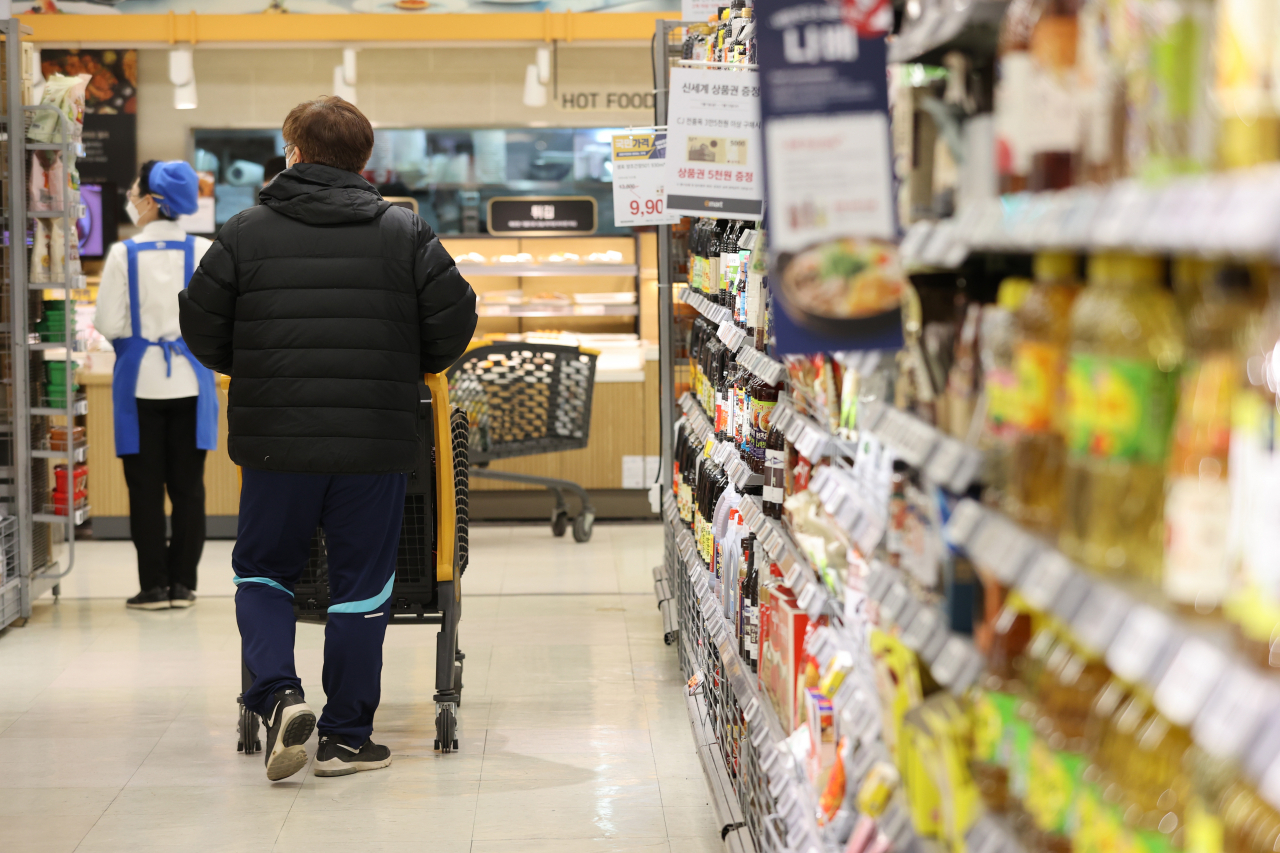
{"x": 624, "y": 422}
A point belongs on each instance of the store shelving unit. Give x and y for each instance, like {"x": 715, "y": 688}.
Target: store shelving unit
{"x": 14, "y": 595}
{"x": 1222, "y": 215}
{"x": 29, "y": 537}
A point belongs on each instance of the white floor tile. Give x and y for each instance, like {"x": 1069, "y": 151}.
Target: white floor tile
{"x": 118, "y": 728}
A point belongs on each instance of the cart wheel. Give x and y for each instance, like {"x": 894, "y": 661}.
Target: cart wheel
{"x": 247, "y": 732}
{"x": 446, "y": 730}
{"x": 582, "y": 527}
{"x": 669, "y": 637}
{"x": 559, "y": 522}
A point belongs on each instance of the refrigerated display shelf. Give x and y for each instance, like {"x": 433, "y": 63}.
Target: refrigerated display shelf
{"x": 545, "y": 270}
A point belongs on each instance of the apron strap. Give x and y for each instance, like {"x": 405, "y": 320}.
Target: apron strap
{"x": 135, "y": 311}
{"x": 188, "y": 260}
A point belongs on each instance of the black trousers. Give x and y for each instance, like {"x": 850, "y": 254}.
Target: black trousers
{"x": 169, "y": 458}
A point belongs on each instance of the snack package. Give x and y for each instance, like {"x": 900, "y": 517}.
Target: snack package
{"x": 40, "y": 253}
{"x": 67, "y": 94}
{"x": 48, "y": 181}
{"x": 783, "y": 626}
{"x": 822, "y": 736}
{"x": 833, "y": 789}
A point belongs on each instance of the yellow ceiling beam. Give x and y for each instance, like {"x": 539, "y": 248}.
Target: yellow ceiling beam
{"x": 141, "y": 30}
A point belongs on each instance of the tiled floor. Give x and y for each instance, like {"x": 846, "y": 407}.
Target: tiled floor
{"x": 117, "y": 728}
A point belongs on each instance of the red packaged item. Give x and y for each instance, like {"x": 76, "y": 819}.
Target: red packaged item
{"x": 80, "y": 478}
{"x": 782, "y": 630}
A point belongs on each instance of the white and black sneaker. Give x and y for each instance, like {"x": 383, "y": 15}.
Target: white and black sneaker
{"x": 335, "y": 758}
{"x": 290, "y": 724}
{"x": 180, "y": 596}
{"x": 150, "y": 599}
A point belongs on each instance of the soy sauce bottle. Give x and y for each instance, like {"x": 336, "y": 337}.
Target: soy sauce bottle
{"x": 775, "y": 470}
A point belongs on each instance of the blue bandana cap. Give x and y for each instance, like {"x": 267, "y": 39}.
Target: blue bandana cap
{"x": 175, "y": 186}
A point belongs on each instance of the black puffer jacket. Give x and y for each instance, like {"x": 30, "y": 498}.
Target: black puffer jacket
{"x": 325, "y": 305}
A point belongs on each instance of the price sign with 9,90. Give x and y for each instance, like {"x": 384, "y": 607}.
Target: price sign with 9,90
{"x": 638, "y": 163}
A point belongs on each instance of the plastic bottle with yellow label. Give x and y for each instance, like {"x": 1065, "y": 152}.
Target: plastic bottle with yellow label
{"x": 1042, "y": 338}
{"x": 1126, "y": 348}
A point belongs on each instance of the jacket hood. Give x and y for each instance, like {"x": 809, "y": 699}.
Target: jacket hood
{"x": 322, "y": 195}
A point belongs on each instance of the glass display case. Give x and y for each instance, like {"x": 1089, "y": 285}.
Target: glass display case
{"x": 451, "y": 173}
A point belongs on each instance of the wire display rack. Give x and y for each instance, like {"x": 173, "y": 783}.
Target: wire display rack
{"x": 31, "y": 397}
{"x": 524, "y": 399}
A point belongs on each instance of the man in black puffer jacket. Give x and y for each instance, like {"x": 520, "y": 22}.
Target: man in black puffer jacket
{"x": 325, "y": 304}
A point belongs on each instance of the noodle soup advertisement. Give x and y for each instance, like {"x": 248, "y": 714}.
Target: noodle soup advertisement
{"x": 824, "y": 104}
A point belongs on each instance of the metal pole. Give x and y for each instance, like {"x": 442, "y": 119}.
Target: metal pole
{"x": 666, "y": 304}
{"x": 19, "y": 354}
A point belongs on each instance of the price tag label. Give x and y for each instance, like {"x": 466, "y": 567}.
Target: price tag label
{"x": 639, "y": 196}
{"x": 1231, "y": 718}
{"x": 1044, "y": 579}
{"x": 1136, "y": 649}
{"x": 1071, "y": 596}
{"x": 817, "y": 600}
{"x": 709, "y": 449}
{"x": 1100, "y": 616}
{"x": 1192, "y": 675}
{"x": 894, "y": 602}
{"x": 792, "y": 576}
{"x": 950, "y": 660}
{"x": 879, "y": 582}
{"x": 1002, "y": 549}
{"x": 963, "y": 523}
{"x": 946, "y": 460}
{"x": 920, "y": 628}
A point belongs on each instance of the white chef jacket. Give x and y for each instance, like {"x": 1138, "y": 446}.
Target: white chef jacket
{"x": 160, "y": 280}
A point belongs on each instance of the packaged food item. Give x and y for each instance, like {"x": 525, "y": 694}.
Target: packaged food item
{"x": 39, "y": 272}
{"x": 67, "y": 95}
{"x": 783, "y": 625}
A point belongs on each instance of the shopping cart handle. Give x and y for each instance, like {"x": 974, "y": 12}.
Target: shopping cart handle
{"x": 446, "y": 497}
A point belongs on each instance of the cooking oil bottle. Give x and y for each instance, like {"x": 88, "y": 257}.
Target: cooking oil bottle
{"x": 1126, "y": 348}
{"x": 1000, "y": 383}
{"x": 1068, "y": 687}
{"x": 1041, "y": 340}
{"x": 1254, "y": 544}
{"x": 1220, "y": 307}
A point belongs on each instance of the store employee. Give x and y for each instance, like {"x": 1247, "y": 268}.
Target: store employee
{"x": 166, "y": 405}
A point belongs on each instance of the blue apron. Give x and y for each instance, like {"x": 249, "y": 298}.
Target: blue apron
{"x": 130, "y": 350}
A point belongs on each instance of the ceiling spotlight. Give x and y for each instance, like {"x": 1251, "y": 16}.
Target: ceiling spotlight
{"x": 182, "y": 74}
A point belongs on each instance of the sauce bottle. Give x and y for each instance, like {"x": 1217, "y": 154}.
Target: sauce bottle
{"x": 775, "y": 472}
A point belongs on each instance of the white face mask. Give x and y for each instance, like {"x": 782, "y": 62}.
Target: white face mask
{"x": 132, "y": 209}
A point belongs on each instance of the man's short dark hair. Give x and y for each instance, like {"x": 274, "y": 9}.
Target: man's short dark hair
{"x": 331, "y": 132}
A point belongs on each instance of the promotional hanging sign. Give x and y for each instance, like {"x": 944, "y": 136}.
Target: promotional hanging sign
{"x": 699, "y": 10}
{"x": 824, "y": 101}
{"x": 639, "y": 166}
{"x": 714, "y": 154}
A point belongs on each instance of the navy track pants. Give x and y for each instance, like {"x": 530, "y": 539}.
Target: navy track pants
{"x": 361, "y": 515}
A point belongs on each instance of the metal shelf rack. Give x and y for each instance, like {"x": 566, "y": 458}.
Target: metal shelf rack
{"x": 28, "y": 538}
